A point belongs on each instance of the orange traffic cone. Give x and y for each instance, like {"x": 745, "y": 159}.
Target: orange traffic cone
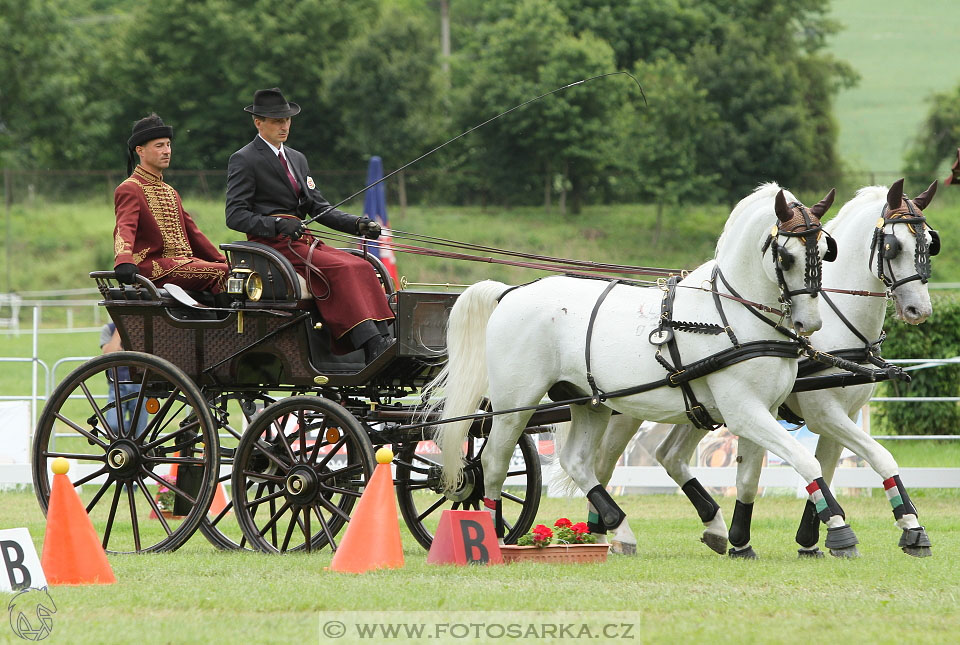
{"x": 219, "y": 500}
{"x": 372, "y": 540}
{"x": 72, "y": 554}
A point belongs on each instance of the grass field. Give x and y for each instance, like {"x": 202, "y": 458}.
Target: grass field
{"x": 903, "y": 52}
{"x": 676, "y": 591}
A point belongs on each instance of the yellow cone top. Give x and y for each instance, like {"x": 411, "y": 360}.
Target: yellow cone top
{"x": 384, "y": 455}
{"x": 60, "y": 466}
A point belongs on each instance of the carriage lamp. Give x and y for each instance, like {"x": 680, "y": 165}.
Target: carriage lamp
{"x": 244, "y": 282}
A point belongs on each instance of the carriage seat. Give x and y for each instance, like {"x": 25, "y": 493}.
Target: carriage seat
{"x": 281, "y": 283}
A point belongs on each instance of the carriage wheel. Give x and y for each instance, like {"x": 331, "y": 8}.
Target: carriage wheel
{"x": 127, "y": 461}
{"x": 219, "y": 526}
{"x": 298, "y": 472}
{"x": 422, "y": 498}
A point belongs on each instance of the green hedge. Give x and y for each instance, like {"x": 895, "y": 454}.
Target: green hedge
{"x": 938, "y": 337}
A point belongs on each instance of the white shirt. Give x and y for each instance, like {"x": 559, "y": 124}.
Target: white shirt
{"x": 275, "y": 149}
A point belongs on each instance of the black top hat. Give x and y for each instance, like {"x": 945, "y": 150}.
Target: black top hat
{"x": 144, "y": 130}
{"x": 270, "y": 103}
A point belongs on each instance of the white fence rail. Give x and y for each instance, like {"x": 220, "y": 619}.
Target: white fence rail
{"x": 630, "y": 477}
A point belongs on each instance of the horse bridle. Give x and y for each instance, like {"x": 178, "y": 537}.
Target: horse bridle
{"x": 886, "y": 247}
{"x": 806, "y": 226}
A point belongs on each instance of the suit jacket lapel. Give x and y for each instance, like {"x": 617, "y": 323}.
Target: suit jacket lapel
{"x": 274, "y": 162}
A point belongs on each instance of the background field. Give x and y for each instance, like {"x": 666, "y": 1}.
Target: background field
{"x": 903, "y": 52}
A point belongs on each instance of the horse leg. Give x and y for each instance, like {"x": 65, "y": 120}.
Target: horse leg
{"x": 808, "y": 533}
{"x": 619, "y": 432}
{"x": 674, "y": 454}
{"x": 578, "y": 458}
{"x": 497, "y": 452}
{"x": 751, "y": 420}
{"x": 749, "y": 463}
{"x": 831, "y": 422}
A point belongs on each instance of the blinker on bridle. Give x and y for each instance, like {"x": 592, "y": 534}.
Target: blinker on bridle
{"x": 886, "y": 247}
{"x": 796, "y": 220}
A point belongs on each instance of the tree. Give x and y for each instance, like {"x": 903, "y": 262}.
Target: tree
{"x": 939, "y": 135}
{"x": 564, "y": 135}
{"x": 197, "y": 63}
{"x": 388, "y": 91}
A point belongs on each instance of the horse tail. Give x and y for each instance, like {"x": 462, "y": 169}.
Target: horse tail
{"x": 463, "y": 379}
{"x": 561, "y": 483}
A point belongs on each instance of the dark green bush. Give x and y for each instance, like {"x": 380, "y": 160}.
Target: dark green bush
{"x": 938, "y": 337}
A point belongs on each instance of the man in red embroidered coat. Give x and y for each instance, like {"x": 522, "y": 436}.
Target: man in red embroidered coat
{"x": 270, "y": 192}
{"x": 154, "y": 236}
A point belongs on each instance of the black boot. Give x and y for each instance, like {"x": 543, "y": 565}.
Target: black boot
{"x": 374, "y": 347}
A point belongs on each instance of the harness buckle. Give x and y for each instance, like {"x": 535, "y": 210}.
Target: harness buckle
{"x": 671, "y": 376}
{"x": 662, "y": 284}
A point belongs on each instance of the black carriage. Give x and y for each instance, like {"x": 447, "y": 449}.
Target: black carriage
{"x": 251, "y": 395}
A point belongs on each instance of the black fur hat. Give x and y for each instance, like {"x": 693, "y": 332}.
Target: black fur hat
{"x": 146, "y": 129}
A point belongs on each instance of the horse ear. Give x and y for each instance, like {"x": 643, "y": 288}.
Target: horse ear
{"x": 895, "y": 194}
{"x": 821, "y": 207}
{"x": 780, "y": 207}
{"x": 924, "y": 198}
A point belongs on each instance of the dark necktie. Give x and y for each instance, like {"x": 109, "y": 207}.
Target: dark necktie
{"x": 286, "y": 168}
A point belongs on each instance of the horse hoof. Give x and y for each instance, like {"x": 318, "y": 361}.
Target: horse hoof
{"x": 623, "y": 548}
{"x": 743, "y": 554}
{"x": 847, "y": 552}
{"x": 814, "y": 553}
{"x": 841, "y": 538}
{"x": 915, "y": 542}
{"x": 717, "y": 543}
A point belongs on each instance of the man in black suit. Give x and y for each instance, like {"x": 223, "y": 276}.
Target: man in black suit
{"x": 270, "y": 192}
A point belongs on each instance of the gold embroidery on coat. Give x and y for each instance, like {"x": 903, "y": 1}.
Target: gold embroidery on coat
{"x": 162, "y": 202}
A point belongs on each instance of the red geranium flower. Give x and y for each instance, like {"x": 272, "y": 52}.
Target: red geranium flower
{"x": 562, "y": 522}
{"x": 580, "y": 528}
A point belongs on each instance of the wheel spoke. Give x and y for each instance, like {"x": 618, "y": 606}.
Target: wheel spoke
{"x": 174, "y": 460}
{"x": 333, "y": 508}
{"x": 333, "y": 450}
{"x": 512, "y": 497}
{"x": 326, "y": 528}
{"x": 172, "y": 487}
{"x": 75, "y": 455}
{"x": 283, "y": 438}
{"x": 153, "y": 506}
{"x": 118, "y": 402}
{"x": 317, "y": 444}
{"x": 266, "y": 498}
{"x": 97, "y": 410}
{"x": 343, "y": 491}
{"x": 93, "y": 475}
{"x": 113, "y": 513}
{"x": 346, "y": 470}
{"x": 290, "y": 527}
{"x": 160, "y": 420}
{"x": 96, "y": 498}
{"x": 302, "y": 432}
{"x": 305, "y": 525}
{"x": 437, "y": 504}
{"x": 273, "y": 478}
{"x": 139, "y": 406}
{"x": 133, "y": 515}
{"x": 425, "y": 460}
{"x": 264, "y": 448}
{"x": 272, "y": 522}
{"x": 86, "y": 434}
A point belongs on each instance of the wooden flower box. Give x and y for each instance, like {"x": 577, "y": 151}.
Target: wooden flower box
{"x": 555, "y": 553}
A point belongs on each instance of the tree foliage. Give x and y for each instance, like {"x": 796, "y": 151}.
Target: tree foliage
{"x": 738, "y": 92}
{"x": 938, "y": 136}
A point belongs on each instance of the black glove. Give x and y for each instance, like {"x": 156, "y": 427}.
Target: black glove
{"x": 292, "y": 228}
{"x": 125, "y": 272}
{"x": 368, "y": 228}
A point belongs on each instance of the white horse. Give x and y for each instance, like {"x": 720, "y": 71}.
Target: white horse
{"x": 516, "y": 344}
{"x": 893, "y": 257}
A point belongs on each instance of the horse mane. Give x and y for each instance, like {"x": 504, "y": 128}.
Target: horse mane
{"x": 761, "y": 192}
{"x": 864, "y": 196}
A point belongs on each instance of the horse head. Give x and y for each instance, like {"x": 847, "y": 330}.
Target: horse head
{"x": 900, "y": 253}
{"x": 799, "y": 245}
